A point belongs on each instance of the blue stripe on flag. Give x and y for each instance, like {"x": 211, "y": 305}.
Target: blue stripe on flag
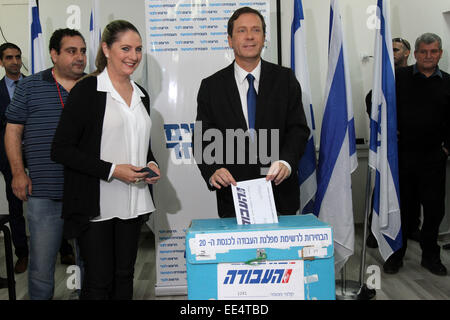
{"x": 352, "y": 136}
{"x": 36, "y": 24}
{"x": 296, "y": 24}
{"x": 376, "y": 193}
{"x": 307, "y": 162}
{"x": 383, "y": 156}
{"x": 388, "y": 87}
{"x": 313, "y": 121}
{"x": 35, "y": 31}
{"x": 331, "y": 28}
{"x": 375, "y": 130}
{"x": 334, "y": 128}
{"x": 395, "y": 244}
{"x": 298, "y": 15}
{"x": 389, "y": 92}
{"x": 309, "y": 207}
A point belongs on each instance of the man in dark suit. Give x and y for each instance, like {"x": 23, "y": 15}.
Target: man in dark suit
{"x": 251, "y": 94}
{"x": 11, "y": 60}
{"x": 423, "y": 116}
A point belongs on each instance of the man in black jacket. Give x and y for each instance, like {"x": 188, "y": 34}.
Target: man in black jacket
{"x": 252, "y": 94}
{"x": 423, "y": 111}
{"x": 11, "y": 61}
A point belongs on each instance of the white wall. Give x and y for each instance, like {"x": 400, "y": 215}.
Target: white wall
{"x": 410, "y": 18}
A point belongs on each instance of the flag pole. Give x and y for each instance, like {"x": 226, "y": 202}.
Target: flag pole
{"x": 366, "y": 219}
{"x": 365, "y": 293}
{"x": 349, "y": 289}
{"x": 279, "y": 51}
{"x": 346, "y": 289}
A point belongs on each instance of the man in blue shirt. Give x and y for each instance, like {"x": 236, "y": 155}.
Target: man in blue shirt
{"x": 11, "y": 61}
{"x": 33, "y": 116}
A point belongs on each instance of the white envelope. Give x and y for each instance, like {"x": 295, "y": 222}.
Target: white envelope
{"x": 254, "y": 202}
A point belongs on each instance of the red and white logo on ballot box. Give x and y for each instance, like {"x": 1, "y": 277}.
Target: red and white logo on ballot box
{"x": 263, "y": 280}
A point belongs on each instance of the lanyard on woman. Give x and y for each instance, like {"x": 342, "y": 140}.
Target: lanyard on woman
{"x": 59, "y": 92}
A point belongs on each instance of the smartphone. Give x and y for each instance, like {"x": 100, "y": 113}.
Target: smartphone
{"x": 151, "y": 173}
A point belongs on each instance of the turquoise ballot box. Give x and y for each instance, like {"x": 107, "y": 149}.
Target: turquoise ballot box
{"x": 292, "y": 259}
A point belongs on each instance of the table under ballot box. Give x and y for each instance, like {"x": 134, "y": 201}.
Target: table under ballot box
{"x": 291, "y": 259}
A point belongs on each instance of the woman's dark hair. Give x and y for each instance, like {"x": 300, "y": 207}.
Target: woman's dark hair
{"x": 109, "y": 36}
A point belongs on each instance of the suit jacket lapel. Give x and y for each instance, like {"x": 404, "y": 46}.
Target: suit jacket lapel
{"x": 232, "y": 93}
{"x": 265, "y": 83}
{"x": 4, "y": 102}
{"x": 4, "y": 91}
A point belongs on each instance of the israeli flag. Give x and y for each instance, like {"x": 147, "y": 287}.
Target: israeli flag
{"x": 383, "y": 154}
{"x": 37, "y": 41}
{"x": 337, "y": 157}
{"x": 299, "y": 63}
{"x": 95, "y": 35}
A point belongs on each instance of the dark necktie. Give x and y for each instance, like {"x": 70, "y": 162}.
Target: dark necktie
{"x": 14, "y": 88}
{"x": 251, "y": 102}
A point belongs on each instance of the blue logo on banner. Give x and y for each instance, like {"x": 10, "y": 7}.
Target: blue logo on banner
{"x": 179, "y": 138}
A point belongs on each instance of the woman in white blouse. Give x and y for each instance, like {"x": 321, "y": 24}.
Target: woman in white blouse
{"x": 103, "y": 139}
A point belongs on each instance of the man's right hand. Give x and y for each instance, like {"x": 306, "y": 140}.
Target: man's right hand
{"x": 222, "y": 178}
{"x": 21, "y": 182}
{"x": 21, "y": 186}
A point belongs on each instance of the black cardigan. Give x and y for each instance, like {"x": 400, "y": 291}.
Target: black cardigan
{"x": 76, "y": 145}
{"x": 423, "y": 112}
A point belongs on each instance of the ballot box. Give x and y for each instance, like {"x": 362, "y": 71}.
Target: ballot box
{"x": 292, "y": 259}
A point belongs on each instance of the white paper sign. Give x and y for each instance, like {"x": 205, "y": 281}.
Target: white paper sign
{"x": 254, "y": 202}
{"x": 207, "y": 245}
{"x": 274, "y": 280}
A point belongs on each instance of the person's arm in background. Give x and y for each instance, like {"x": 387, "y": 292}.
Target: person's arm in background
{"x": 17, "y": 114}
{"x": 21, "y": 182}
{"x": 369, "y": 103}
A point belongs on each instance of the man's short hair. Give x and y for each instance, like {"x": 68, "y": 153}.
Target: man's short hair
{"x": 240, "y": 12}
{"x": 8, "y": 45}
{"x": 59, "y": 34}
{"x": 428, "y": 38}
{"x": 404, "y": 42}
